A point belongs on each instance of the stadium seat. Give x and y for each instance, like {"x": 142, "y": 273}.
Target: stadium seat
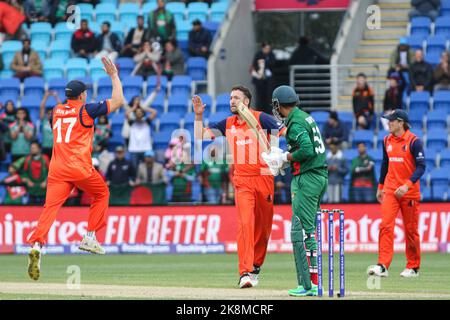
{"x": 181, "y": 85}
{"x": 419, "y": 101}
{"x": 349, "y": 155}
{"x": 53, "y": 68}
{"x": 436, "y": 44}
{"x": 9, "y": 49}
{"x": 178, "y": 10}
{"x": 5, "y": 98}
{"x": 420, "y": 26}
{"x": 178, "y": 103}
{"x": 183, "y": 28}
{"x": 119, "y": 28}
{"x": 60, "y": 49}
{"x": 132, "y": 86}
{"x": 58, "y": 85}
{"x": 433, "y": 58}
{"x": 32, "y": 103}
{"x": 442, "y": 27}
{"x": 208, "y": 101}
{"x": 223, "y": 102}
{"x": 365, "y": 136}
{"x": 6, "y": 74}
{"x": 189, "y": 119}
{"x": 158, "y": 103}
{"x": 441, "y": 100}
{"x": 430, "y": 158}
{"x": 161, "y": 140}
{"x": 444, "y": 161}
{"x": 380, "y": 136}
{"x": 128, "y": 13}
{"x": 416, "y": 119}
{"x": 218, "y": 11}
{"x": 41, "y": 48}
{"x": 151, "y": 83}
{"x": 217, "y": 117}
{"x": 95, "y": 27}
{"x": 439, "y": 177}
{"x": 416, "y": 42}
{"x": 196, "y": 68}
{"x": 212, "y": 27}
{"x": 111, "y": 2}
{"x": 426, "y": 193}
{"x": 147, "y": 8}
{"x": 445, "y": 8}
{"x": 34, "y": 86}
{"x": 197, "y": 10}
{"x": 62, "y": 32}
{"x": 437, "y": 119}
{"x": 10, "y": 87}
{"x": 117, "y": 120}
{"x": 104, "y": 88}
{"x": 437, "y": 139}
{"x": 418, "y": 133}
{"x": 439, "y": 193}
{"x": 320, "y": 117}
{"x": 125, "y": 66}
{"x": 41, "y": 31}
{"x": 96, "y": 69}
{"x": 169, "y": 121}
{"x": 115, "y": 140}
{"x": 87, "y": 11}
{"x": 89, "y": 84}
{"x": 76, "y": 67}
{"x": 347, "y": 118}
{"x": 105, "y": 12}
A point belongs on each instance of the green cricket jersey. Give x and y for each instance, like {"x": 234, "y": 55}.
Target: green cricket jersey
{"x": 305, "y": 143}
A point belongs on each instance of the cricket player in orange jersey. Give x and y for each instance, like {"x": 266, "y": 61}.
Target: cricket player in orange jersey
{"x": 253, "y": 182}
{"x": 399, "y": 190}
{"x": 71, "y": 164}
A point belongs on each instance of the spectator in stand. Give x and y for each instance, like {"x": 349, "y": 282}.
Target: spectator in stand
{"x": 421, "y": 73}
{"x": 363, "y": 183}
{"x": 37, "y": 11}
{"x": 46, "y": 127}
{"x": 7, "y": 118}
{"x": 173, "y": 60}
{"x": 392, "y": 98}
{"x": 15, "y": 190}
{"x": 150, "y": 171}
{"x": 83, "y": 41}
{"x": 22, "y": 133}
{"x": 34, "y": 171}
{"x": 181, "y": 173}
{"x": 442, "y": 73}
{"x": 120, "y": 171}
{"x": 135, "y": 39}
{"x": 161, "y": 24}
{"x": 1, "y": 63}
{"x": 140, "y": 134}
{"x": 427, "y": 8}
{"x": 213, "y": 177}
{"x": 3, "y": 133}
{"x": 26, "y": 63}
{"x": 102, "y": 132}
{"x": 199, "y": 40}
{"x": 58, "y": 11}
{"x": 305, "y": 54}
{"x": 263, "y": 62}
{"x": 85, "y": 198}
{"x": 103, "y": 156}
{"x": 363, "y": 102}
{"x": 107, "y": 43}
{"x": 334, "y": 131}
{"x": 148, "y": 60}
{"x": 401, "y": 57}
{"x": 283, "y": 187}
{"x": 337, "y": 169}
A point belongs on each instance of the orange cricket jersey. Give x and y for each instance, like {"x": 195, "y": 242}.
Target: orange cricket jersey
{"x": 73, "y": 133}
{"x": 401, "y": 164}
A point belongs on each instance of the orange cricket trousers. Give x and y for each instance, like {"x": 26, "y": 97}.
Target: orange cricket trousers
{"x": 254, "y": 202}
{"x": 410, "y": 212}
{"x": 57, "y": 193}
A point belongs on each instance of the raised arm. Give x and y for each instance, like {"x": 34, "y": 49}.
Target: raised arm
{"x": 199, "y": 108}
{"x": 117, "y": 98}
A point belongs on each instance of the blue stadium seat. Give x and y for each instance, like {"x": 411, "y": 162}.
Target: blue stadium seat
{"x": 76, "y": 67}
{"x": 416, "y": 119}
{"x": 53, "y": 68}
{"x": 444, "y": 161}
{"x": 58, "y": 85}
{"x": 349, "y": 155}
{"x": 6, "y": 74}
{"x": 51, "y": 102}
{"x": 426, "y": 193}
{"x": 151, "y": 83}
{"x": 9, "y": 49}
{"x": 418, "y": 133}
{"x": 128, "y": 13}
{"x": 178, "y": 10}
{"x": 184, "y": 47}
{"x": 442, "y": 27}
{"x": 111, "y": 2}
{"x": 437, "y": 119}
{"x": 132, "y": 86}
{"x": 169, "y": 121}
{"x": 420, "y": 26}
{"x": 41, "y": 48}
{"x": 430, "y": 158}
{"x": 10, "y": 87}
{"x": 41, "y": 31}
{"x": 5, "y": 98}
{"x": 34, "y": 86}
{"x": 439, "y": 177}
{"x": 117, "y": 120}
{"x": 320, "y": 117}
{"x": 218, "y": 116}
{"x": 161, "y": 140}
{"x": 441, "y": 100}
{"x": 419, "y": 101}
{"x": 212, "y": 27}
{"x": 60, "y": 49}
{"x": 196, "y": 68}
{"x": 181, "y": 85}
{"x": 125, "y": 66}
{"x": 218, "y": 11}
{"x": 208, "y": 101}
{"x": 178, "y": 103}
{"x": 115, "y": 140}
{"x": 347, "y": 118}
{"x": 437, "y": 139}
{"x": 436, "y": 45}
{"x": 197, "y": 10}
{"x": 87, "y": 11}
{"x": 104, "y": 88}
{"x": 119, "y": 28}
{"x": 189, "y": 119}
{"x": 183, "y": 28}
{"x": 433, "y": 58}
{"x": 223, "y": 102}
{"x": 380, "y": 136}
{"x": 147, "y": 8}
{"x": 32, "y": 103}
{"x": 439, "y": 193}
{"x": 90, "y": 87}
{"x": 62, "y": 32}
{"x": 95, "y": 27}
{"x": 105, "y": 12}
{"x": 445, "y": 8}
{"x": 365, "y": 136}
{"x": 416, "y": 41}
{"x": 96, "y": 69}
{"x": 158, "y": 103}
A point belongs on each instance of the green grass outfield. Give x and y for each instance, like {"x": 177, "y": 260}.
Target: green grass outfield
{"x": 211, "y": 276}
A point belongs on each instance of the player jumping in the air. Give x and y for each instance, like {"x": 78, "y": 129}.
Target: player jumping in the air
{"x": 254, "y": 192}
{"x": 71, "y": 164}
{"x": 307, "y": 158}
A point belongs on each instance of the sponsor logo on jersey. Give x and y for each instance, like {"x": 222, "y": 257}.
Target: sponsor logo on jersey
{"x": 396, "y": 159}
{"x": 244, "y": 142}
{"x": 389, "y": 148}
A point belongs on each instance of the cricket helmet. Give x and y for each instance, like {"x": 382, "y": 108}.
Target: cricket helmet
{"x": 283, "y": 95}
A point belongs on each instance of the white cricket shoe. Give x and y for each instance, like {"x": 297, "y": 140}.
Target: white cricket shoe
{"x": 377, "y": 270}
{"x": 248, "y": 280}
{"x": 91, "y": 245}
{"x": 409, "y": 273}
{"x": 254, "y": 278}
{"x": 34, "y": 263}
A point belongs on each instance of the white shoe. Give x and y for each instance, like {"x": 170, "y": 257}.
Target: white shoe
{"x": 245, "y": 281}
{"x": 91, "y": 245}
{"x": 409, "y": 273}
{"x": 377, "y": 270}
{"x": 34, "y": 263}
{"x": 254, "y": 278}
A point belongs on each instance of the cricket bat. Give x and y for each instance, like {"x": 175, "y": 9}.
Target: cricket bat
{"x": 251, "y": 121}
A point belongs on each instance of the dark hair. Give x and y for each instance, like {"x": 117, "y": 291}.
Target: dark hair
{"x": 14, "y": 107}
{"x": 361, "y": 74}
{"x": 35, "y": 142}
{"x": 132, "y": 100}
{"x": 303, "y": 41}
{"x": 27, "y": 114}
{"x": 362, "y": 142}
{"x": 140, "y": 16}
{"x": 108, "y": 24}
{"x": 264, "y": 43}
{"x": 103, "y": 116}
{"x": 173, "y": 42}
{"x": 83, "y": 20}
{"x": 245, "y": 91}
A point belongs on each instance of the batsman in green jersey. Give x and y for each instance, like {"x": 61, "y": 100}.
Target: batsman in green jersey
{"x": 306, "y": 155}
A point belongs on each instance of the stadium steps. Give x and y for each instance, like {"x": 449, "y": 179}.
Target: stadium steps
{"x": 375, "y": 52}
{"x": 385, "y": 33}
